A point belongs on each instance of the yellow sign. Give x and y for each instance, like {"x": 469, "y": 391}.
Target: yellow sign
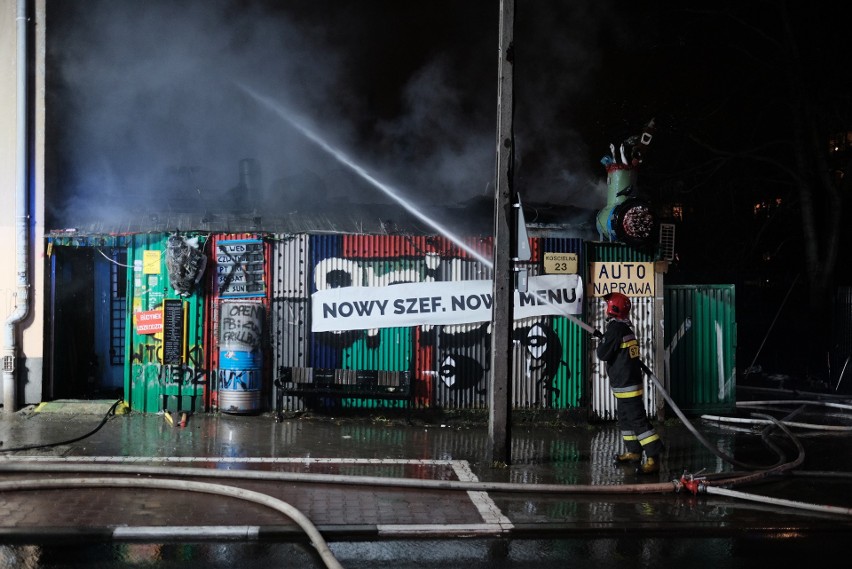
{"x": 629, "y": 278}
{"x": 151, "y": 262}
{"x": 560, "y": 263}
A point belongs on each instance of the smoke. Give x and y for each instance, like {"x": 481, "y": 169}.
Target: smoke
{"x": 148, "y": 112}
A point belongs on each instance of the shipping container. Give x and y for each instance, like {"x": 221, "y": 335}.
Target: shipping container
{"x": 444, "y": 365}
{"x": 700, "y": 347}
{"x": 243, "y": 332}
{"x": 166, "y": 326}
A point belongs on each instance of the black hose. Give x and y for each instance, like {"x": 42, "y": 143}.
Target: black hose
{"x": 822, "y": 473}
{"x": 109, "y": 413}
{"x": 779, "y": 469}
{"x": 707, "y": 444}
{"x": 764, "y": 435}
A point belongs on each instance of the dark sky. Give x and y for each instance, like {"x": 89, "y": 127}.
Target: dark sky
{"x": 162, "y": 99}
{"x": 149, "y": 98}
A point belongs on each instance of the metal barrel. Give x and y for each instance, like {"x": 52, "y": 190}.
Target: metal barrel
{"x": 240, "y": 357}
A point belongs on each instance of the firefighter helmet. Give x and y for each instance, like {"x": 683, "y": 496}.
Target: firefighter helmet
{"x": 617, "y": 305}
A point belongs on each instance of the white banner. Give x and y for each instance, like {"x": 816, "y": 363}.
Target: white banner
{"x": 438, "y": 303}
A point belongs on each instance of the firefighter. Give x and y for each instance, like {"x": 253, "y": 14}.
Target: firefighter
{"x": 619, "y": 348}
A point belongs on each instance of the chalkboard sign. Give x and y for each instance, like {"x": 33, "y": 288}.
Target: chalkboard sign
{"x": 240, "y": 268}
{"x": 172, "y": 332}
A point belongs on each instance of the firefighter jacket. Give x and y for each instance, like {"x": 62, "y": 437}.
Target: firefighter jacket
{"x": 619, "y": 348}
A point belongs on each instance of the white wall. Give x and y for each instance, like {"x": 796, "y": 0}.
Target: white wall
{"x": 29, "y": 367}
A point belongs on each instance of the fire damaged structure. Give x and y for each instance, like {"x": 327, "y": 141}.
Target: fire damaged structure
{"x": 229, "y": 303}
{"x": 248, "y": 322}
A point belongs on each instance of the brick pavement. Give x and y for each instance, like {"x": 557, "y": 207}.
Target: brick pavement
{"x": 572, "y": 455}
{"x": 336, "y": 508}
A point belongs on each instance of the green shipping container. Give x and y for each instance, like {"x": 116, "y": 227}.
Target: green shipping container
{"x": 165, "y": 350}
{"x": 700, "y": 347}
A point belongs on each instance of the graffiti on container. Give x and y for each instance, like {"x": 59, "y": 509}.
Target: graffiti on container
{"x": 153, "y": 353}
{"x": 186, "y": 375}
{"x": 459, "y": 367}
{"x": 144, "y": 353}
{"x": 239, "y": 380}
{"x": 336, "y": 272}
{"x": 455, "y": 355}
{"x": 169, "y": 375}
{"x": 544, "y": 357}
{"x": 240, "y": 326}
{"x": 461, "y": 372}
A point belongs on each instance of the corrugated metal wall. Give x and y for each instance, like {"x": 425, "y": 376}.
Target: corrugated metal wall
{"x": 700, "y": 347}
{"x": 455, "y": 360}
{"x": 553, "y": 362}
{"x": 602, "y": 402}
{"x": 224, "y": 265}
{"x": 151, "y": 386}
{"x": 553, "y": 365}
{"x": 290, "y": 319}
{"x": 550, "y": 355}
{"x": 448, "y": 364}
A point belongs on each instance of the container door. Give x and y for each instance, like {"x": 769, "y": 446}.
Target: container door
{"x": 700, "y": 347}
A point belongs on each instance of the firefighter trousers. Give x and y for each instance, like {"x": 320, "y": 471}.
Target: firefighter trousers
{"x": 636, "y": 430}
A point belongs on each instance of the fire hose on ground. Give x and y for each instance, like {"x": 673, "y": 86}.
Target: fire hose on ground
{"x": 695, "y": 484}
{"x": 703, "y": 484}
{"x": 187, "y": 485}
{"x": 688, "y": 482}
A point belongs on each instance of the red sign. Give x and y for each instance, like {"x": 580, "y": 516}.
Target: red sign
{"x": 149, "y": 322}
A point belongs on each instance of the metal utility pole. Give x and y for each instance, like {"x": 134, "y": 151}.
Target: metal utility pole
{"x": 499, "y": 404}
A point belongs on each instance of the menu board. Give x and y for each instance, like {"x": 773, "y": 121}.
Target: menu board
{"x": 172, "y": 332}
{"x": 240, "y": 268}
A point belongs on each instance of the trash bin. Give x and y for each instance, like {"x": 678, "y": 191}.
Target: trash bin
{"x": 240, "y": 357}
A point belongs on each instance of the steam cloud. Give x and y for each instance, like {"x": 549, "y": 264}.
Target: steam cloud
{"x": 148, "y": 112}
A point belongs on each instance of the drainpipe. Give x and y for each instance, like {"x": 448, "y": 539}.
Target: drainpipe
{"x": 10, "y": 392}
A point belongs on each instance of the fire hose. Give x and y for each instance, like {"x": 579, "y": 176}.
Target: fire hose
{"x": 187, "y": 485}
{"x": 692, "y": 483}
{"x": 702, "y": 484}
{"x": 698, "y": 484}
{"x": 662, "y": 391}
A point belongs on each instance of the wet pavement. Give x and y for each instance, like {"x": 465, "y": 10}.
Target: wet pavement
{"x": 408, "y": 480}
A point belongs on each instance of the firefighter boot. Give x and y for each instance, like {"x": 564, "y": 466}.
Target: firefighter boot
{"x": 650, "y": 466}
{"x": 628, "y": 457}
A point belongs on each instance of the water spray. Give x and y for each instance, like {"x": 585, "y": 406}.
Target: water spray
{"x": 361, "y": 171}
{"x": 386, "y": 189}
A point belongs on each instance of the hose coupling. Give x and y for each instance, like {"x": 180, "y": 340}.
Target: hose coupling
{"x": 694, "y": 484}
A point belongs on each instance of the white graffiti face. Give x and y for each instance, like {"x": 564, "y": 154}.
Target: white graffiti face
{"x": 335, "y": 272}
{"x": 447, "y": 371}
{"x": 536, "y": 341}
